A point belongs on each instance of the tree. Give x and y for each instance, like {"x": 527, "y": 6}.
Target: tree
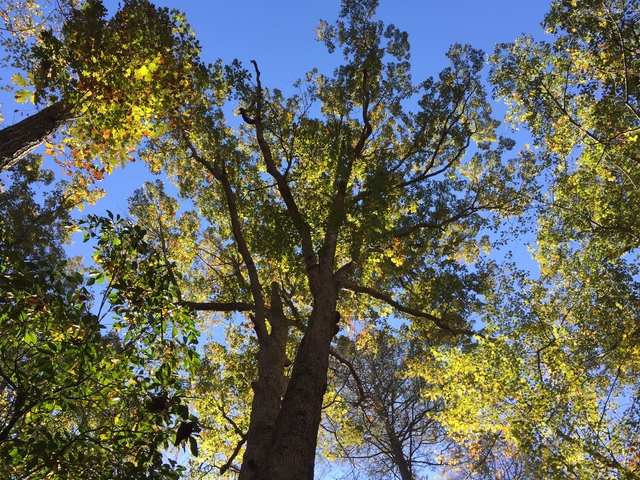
{"x": 559, "y": 390}
{"x": 377, "y": 413}
{"x": 35, "y": 229}
{"x": 330, "y": 205}
{"x": 111, "y": 83}
{"x": 75, "y": 402}
{"x": 338, "y": 208}
{"x": 578, "y": 97}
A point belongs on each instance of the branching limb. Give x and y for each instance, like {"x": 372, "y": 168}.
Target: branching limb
{"x": 233, "y": 456}
{"x": 367, "y": 130}
{"x": 410, "y": 311}
{"x": 220, "y": 174}
{"x": 343, "y": 174}
{"x": 441, "y": 224}
{"x": 220, "y": 306}
{"x": 361, "y": 395}
{"x": 343, "y": 272}
{"x": 283, "y": 187}
{"x": 240, "y": 433}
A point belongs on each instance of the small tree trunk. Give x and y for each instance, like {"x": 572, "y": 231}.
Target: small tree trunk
{"x": 398, "y": 455}
{"x": 18, "y": 140}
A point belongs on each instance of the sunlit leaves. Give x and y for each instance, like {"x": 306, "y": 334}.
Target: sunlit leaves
{"x": 65, "y": 382}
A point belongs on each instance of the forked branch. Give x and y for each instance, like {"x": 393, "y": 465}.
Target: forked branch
{"x": 283, "y": 187}
{"x": 220, "y": 174}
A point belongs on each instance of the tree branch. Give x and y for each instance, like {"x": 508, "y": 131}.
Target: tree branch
{"x": 18, "y": 140}
{"x": 283, "y": 187}
{"x": 233, "y": 456}
{"x": 410, "y": 311}
{"x": 343, "y": 174}
{"x": 220, "y": 306}
{"x": 220, "y": 174}
{"x": 362, "y": 396}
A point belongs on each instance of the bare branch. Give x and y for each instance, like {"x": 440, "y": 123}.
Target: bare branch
{"x": 352, "y": 371}
{"x": 233, "y": 456}
{"x": 220, "y": 306}
{"x": 240, "y": 433}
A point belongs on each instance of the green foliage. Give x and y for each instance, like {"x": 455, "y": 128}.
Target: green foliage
{"x": 35, "y": 228}
{"x": 557, "y": 389}
{"x": 362, "y": 197}
{"x": 377, "y": 417}
{"x": 75, "y": 401}
{"x": 578, "y": 96}
{"x": 124, "y": 77}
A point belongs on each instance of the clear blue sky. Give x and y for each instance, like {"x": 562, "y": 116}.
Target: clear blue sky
{"x": 280, "y": 36}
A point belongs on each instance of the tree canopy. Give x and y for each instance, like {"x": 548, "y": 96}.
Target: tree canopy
{"x": 333, "y": 246}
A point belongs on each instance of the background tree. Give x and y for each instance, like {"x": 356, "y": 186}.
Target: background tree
{"x": 75, "y": 402}
{"x": 377, "y": 414}
{"x": 111, "y": 82}
{"x": 36, "y": 229}
{"x": 560, "y": 389}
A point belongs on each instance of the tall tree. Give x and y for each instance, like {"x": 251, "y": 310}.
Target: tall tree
{"x": 330, "y": 205}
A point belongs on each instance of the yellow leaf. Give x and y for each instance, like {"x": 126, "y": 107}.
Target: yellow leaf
{"x": 19, "y": 80}
{"x": 23, "y": 96}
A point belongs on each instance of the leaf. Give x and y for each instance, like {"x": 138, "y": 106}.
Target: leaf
{"x": 193, "y": 446}
{"x": 30, "y": 338}
{"x": 19, "y": 80}
{"x": 23, "y": 96}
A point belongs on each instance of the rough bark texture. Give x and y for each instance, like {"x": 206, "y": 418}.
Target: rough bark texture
{"x": 293, "y": 449}
{"x": 267, "y": 393}
{"x": 18, "y": 140}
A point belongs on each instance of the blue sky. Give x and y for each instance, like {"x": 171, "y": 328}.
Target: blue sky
{"x": 280, "y": 36}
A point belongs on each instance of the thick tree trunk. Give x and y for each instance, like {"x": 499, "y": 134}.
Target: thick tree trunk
{"x": 292, "y": 453}
{"x": 18, "y": 140}
{"x": 267, "y": 393}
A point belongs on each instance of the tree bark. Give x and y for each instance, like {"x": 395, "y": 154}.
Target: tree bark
{"x": 293, "y": 450}
{"x": 267, "y": 390}
{"x": 18, "y": 140}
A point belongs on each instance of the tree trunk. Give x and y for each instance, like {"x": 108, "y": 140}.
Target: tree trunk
{"x": 267, "y": 391}
{"x": 397, "y": 453}
{"x": 292, "y": 453}
{"x": 267, "y": 394}
{"x": 18, "y": 140}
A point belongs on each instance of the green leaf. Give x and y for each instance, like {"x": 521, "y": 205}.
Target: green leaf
{"x": 30, "y": 338}
{"x": 23, "y": 96}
